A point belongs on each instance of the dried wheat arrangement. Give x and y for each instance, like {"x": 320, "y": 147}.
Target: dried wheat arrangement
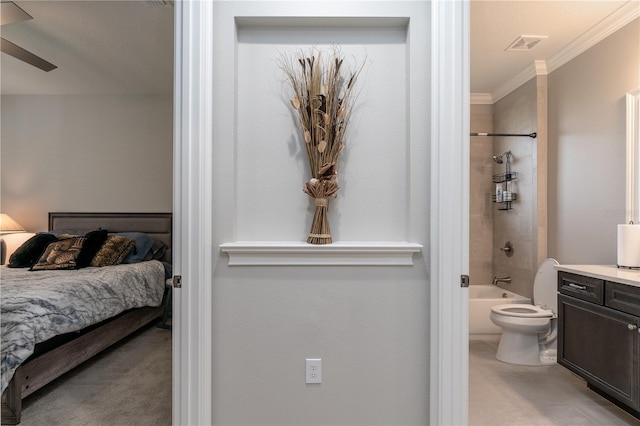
{"x": 323, "y": 98}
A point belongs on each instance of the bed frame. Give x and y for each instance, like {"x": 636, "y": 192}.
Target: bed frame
{"x": 40, "y": 370}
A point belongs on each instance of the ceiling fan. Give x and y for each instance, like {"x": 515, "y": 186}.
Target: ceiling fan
{"x": 12, "y": 13}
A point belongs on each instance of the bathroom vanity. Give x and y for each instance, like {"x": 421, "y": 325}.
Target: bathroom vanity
{"x": 598, "y": 329}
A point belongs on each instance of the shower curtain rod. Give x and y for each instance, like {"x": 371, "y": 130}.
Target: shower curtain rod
{"x": 530, "y": 135}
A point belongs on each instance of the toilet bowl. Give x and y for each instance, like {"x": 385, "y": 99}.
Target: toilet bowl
{"x": 529, "y": 332}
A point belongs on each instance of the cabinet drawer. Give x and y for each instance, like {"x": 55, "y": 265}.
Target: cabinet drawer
{"x": 581, "y": 287}
{"x": 625, "y": 298}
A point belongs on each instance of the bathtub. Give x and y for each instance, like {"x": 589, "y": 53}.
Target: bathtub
{"x": 481, "y": 299}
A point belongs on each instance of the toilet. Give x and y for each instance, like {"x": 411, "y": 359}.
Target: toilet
{"x": 529, "y": 332}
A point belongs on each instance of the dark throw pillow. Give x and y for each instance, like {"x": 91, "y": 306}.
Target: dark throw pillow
{"x": 157, "y": 251}
{"x": 30, "y": 251}
{"x": 141, "y": 249}
{"x": 61, "y": 254}
{"x": 113, "y": 251}
{"x": 92, "y": 244}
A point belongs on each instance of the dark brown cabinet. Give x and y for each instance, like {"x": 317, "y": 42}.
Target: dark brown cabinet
{"x": 598, "y": 335}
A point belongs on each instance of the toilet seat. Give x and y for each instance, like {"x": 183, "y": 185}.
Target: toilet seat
{"x": 522, "y": 311}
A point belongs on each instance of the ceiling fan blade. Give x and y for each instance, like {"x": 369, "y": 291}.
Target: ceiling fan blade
{"x": 24, "y": 55}
{"x": 11, "y": 12}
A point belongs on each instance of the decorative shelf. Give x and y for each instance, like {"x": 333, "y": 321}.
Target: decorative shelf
{"x": 292, "y": 253}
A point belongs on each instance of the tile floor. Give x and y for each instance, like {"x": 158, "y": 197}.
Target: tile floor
{"x": 506, "y": 394}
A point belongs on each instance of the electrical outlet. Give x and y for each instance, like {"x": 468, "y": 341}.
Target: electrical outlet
{"x": 313, "y": 370}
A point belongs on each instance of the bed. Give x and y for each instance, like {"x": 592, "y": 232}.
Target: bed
{"x": 85, "y": 323}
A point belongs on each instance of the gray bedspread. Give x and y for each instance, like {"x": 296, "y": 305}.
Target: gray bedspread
{"x": 38, "y": 305}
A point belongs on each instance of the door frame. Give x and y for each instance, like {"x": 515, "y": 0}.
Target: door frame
{"x": 193, "y": 213}
{"x": 449, "y": 339}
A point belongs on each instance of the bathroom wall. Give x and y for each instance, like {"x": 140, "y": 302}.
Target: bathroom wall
{"x": 517, "y": 113}
{"x": 571, "y": 178}
{"x": 587, "y": 148}
{"x": 481, "y": 188}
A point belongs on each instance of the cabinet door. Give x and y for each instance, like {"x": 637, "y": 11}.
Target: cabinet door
{"x": 602, "y": 346}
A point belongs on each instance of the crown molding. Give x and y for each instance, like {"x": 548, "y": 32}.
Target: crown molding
{"x": 481, "y": 99}
{"x": 516, "y": 81}
{"x": 541, "y": 67}
{"x": 618, "y": 19}
{"x": 599, "y": 32}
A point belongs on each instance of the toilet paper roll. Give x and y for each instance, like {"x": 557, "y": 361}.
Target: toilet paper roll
{"x": 629, "y": 246}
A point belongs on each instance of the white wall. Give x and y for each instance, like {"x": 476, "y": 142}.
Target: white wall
{"x": 587, "y": 148}
{"x": 369, "y": 325}
{"x": 85, "y": 153}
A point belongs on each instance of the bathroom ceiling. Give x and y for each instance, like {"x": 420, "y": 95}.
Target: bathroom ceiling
{"x": 118, "y": 47}
{"x": 569, "y": 27}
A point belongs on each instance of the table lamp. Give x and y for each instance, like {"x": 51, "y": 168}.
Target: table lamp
{"x": 7, "y": 226}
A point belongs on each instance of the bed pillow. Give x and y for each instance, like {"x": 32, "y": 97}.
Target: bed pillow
{"x": 93, "y": 242}
{"x": 113, "y": 251}
{"x": 61, "y": 254}
{"x": 158, "y": 250}
{"x": 143, "y": 245}
{"x": 30, "y": 251}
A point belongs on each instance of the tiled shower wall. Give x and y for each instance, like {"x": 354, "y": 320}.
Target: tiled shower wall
{"x": 480, "y": 205}
{"x": 517, "y": 113}
{"x": 523, "y": 111}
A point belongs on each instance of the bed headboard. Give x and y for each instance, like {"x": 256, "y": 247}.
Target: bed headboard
{"x": 157, "y": 225}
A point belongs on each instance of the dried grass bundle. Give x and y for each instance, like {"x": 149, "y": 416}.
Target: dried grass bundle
{"x": 323, "y": 98}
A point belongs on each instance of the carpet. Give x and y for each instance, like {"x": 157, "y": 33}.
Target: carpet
{"x": 127, "y": 384}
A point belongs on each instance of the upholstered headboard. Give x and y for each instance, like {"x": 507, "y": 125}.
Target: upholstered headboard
{"x": 157, "y": 225}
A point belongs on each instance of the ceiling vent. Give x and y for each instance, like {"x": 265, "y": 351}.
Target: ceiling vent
{"x": 159, "y": 3}
{"x": 525, "y": 42}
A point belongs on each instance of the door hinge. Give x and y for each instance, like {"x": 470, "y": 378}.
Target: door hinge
{"x": 176, "y": 281}
{"x": 464, "y": 281}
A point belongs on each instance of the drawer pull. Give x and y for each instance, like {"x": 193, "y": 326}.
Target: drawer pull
{"x": 578, "y": 286}
{"x": 632, "y": 327}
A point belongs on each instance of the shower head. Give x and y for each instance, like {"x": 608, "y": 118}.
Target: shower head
{"x": 498, "y": 158}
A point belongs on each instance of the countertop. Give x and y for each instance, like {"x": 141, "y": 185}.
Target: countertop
{"x": 605, "y": 272}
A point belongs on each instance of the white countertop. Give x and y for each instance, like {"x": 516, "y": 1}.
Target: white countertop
{"x": 605, "y": 272}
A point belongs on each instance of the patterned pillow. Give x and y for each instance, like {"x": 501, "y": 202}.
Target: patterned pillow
{"x": 62, "y": 254}
{"x": 113, "y": 251}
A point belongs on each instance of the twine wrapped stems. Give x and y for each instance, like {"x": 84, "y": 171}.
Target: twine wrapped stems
{"x": 320, "y": 189}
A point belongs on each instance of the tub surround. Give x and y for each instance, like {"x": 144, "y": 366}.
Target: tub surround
{"x": 605, "y": 272}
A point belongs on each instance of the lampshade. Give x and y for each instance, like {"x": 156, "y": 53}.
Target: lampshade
{"x": 8, "y": 225}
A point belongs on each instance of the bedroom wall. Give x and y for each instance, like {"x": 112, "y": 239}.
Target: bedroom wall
{"x": 587, "y": 148}
{"x": 85, "y": 153}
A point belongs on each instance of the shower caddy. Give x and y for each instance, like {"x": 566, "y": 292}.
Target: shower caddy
{"x": 505, "y": 198}
{"x": 504, "y": 194}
